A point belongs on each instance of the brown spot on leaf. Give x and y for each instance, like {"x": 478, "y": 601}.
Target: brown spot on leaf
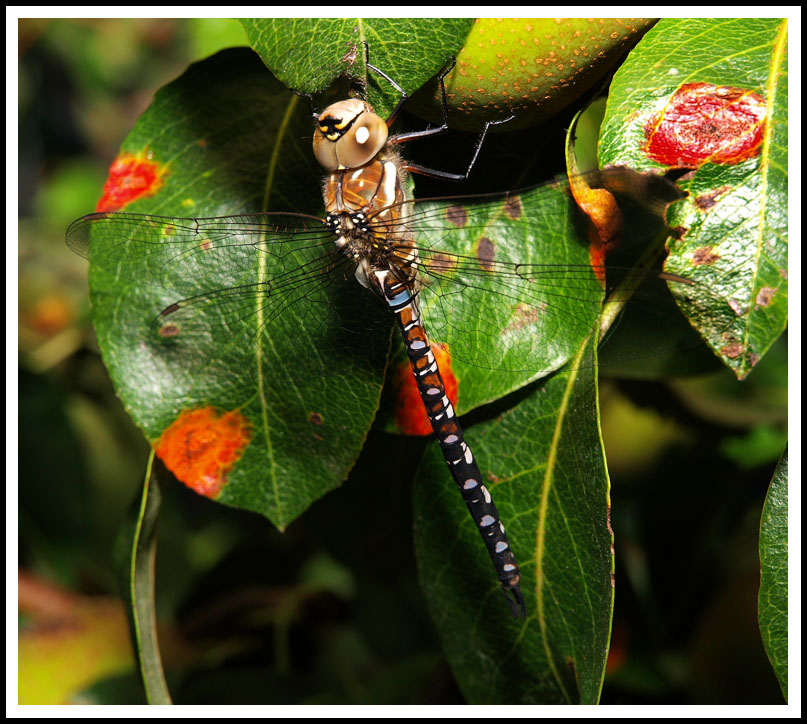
{"x": 523, "y": 316}
{"x": 169, "y": 330}
{"x": 315, "y": 418}
{"x": 349, "y": 58}
{"x": 441, "y": 264}
{"x": 457, "y": 216}
{"x": 485, "y": 253}
{"x": 732, "y": 351}
{"x": 736, "y": 307}
{"x": 764, "y": 296}
{"x": 706, "y": 201}
{"x": 704, "y": 255}
{"x": 512, "y": 207}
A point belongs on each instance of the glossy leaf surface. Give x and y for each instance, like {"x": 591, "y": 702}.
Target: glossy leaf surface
{"x": 254, "y": 329}
{"x": 231, "y": 139}
{"x": 257, "y": 316}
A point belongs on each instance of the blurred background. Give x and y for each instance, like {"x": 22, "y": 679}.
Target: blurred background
{"x": 251, "y": 616}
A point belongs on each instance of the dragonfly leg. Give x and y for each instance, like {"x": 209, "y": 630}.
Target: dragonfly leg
{"x": 414, "y": 135}
{"x": 447, "y": 176}
{"x": 314, "y": 113}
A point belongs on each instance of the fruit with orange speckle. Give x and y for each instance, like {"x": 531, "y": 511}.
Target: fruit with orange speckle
{"x": 531, "y": 67}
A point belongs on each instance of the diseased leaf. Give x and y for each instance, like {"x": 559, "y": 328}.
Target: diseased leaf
{"x": 252, "y": 153}
{"x": 229, "y": 330}
{"x": 284, "y": 372}
{"x": 682, "y": 100}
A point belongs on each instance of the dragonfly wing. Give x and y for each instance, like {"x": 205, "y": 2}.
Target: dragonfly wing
{"x": 241, "y": 290}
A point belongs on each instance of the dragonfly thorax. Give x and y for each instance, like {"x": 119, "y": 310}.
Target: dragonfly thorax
{"x": 367, "y": 210}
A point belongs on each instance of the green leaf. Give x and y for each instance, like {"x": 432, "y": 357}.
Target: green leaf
{"x": 230, "y": 138}
{"x": 543, "y": 462}
{"x": 408, "y": 50}
{"x": 732, "y": 228}
{"x": 773, "y": 583}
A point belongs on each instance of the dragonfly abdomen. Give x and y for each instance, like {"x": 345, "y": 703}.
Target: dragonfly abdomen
{"x": 458, "y": 456}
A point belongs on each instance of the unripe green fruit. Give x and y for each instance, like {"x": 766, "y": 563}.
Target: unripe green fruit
{"x": 531, "y": 67}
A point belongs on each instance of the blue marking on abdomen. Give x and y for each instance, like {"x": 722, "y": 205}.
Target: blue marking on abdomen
{"x": 400, "y": 299}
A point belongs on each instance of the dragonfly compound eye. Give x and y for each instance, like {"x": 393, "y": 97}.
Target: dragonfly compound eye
{"x": 348, "y": 135}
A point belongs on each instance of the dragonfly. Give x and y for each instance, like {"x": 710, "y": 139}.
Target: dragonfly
{"x": 492, "y": 310}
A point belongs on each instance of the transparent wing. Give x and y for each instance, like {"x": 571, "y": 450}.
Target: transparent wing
{"x": 253, "y": 287}
{"x": 514, "y": 281}
{"x": 507, "y": 281}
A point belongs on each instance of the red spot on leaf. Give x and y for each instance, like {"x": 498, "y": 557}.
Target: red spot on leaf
{"x": 201, "y": 447}
{"x": 410, "y": 415}
{"x": 596, "y": 254}
{"x": 130, "y": 178}
{"x": 703, "y": 122}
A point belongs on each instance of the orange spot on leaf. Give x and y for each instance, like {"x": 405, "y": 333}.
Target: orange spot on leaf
{"x": 130, "y": 178}
{"x": 703, "y": 122}
{"x": 201, "y": 447}
{"x": 410, "y": 415}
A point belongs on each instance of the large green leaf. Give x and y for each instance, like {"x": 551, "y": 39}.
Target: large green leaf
{"x": 773, "y": 581}
{"x": 230, "y": 138}
{"x": 543, "y": 463}
{"x": 703, "y": 80}
{"x": 530, "y": 287}
{"x": 309, "y": 54}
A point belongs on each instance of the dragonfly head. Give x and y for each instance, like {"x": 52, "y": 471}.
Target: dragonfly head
{"x": 349, "y": 134}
